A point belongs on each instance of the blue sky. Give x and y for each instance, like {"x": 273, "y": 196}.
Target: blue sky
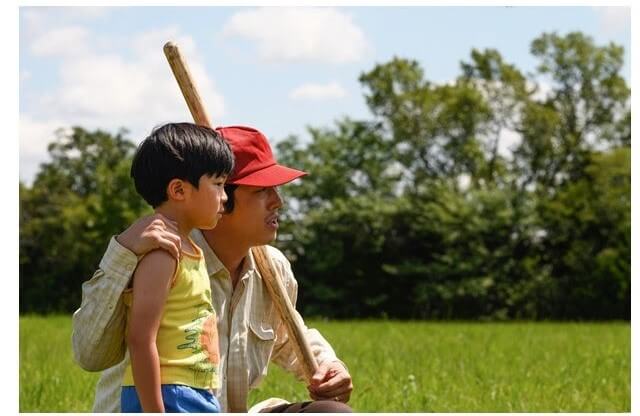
{"x": 277, "y": 69}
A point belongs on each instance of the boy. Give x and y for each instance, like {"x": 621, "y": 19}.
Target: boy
{"x": 180, "y": 170}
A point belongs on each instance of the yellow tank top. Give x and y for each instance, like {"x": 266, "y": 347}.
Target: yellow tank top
{"x": 187, "y": 338}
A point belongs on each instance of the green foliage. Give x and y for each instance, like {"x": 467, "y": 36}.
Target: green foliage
{"x": 78, "y": 200}
{"x": 415, "y": 214}
{"x": 589, "y": 98}
{"x": 400, "y": 367}
{"x": 589, "y": 225}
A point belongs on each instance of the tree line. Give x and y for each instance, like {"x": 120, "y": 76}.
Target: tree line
{"x": 415, "y": 212}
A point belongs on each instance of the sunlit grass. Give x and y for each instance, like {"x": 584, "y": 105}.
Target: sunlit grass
{"x": 400, "y": 367}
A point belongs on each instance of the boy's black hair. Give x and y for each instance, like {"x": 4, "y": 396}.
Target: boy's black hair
{"x": 178, "y": 151}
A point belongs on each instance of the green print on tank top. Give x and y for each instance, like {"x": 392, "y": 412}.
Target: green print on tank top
{"x": 201, "y": 337}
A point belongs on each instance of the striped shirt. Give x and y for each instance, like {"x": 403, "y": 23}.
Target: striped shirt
{"x": 250, "y": 332}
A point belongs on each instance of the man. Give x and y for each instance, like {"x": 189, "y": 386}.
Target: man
{"x": 250, "y": 332}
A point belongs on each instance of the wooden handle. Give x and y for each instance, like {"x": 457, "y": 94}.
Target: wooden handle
{"x": 265, "y": 267}
{"x": 187, "y": 85}
{"x": 287, "y": 312}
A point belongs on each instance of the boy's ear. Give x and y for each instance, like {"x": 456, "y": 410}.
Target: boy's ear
{"x": 177, "y": 190}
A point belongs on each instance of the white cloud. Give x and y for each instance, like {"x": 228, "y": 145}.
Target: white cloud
{"x": 64, "y": 41}
{"x": 509, "y": 140}
{"x": 331, "y": 90}
{"x": 464, "y": 180}
{"x": 543, "y": 90}
{"x": 614, "y": 19}
{"x": 42, "y": 19}
{"x": 111, "y": 89}
{"x": 89, "y": 12}
{"x": 125, "y": 83}
{"x": 300, "y": 34}
{"x": 34, "y": 137}
{"x": 33, "y": 19}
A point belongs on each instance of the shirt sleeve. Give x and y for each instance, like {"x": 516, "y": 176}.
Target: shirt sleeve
{"x": 98, "y": 337}
{"x": 283, "y": 352}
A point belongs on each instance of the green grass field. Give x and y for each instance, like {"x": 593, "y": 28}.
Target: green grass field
{"x": 400, "y": 367}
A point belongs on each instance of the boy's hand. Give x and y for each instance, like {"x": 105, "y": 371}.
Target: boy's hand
{"x": 152, "y": 232}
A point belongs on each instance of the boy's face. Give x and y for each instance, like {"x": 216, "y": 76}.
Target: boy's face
{"x": 255, "y": 214}
{"x": 206, "y": 203}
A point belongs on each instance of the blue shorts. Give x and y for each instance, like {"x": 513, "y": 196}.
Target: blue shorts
{"x": 176, "y": 398}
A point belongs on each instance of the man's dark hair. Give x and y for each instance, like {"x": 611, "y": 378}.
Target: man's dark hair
{"x": 178, "y": 151}
{"x": 229, "y": 189}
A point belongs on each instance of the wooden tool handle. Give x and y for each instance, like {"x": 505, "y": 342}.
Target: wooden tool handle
{"x": 187, "y": 85}
{"x": 265, "y": 267}
{"x": 287, "y": 312}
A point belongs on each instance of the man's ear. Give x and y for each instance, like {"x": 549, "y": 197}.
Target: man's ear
{"x": 178, "y": 190}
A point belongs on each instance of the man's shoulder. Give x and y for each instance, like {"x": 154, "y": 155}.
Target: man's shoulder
{"x": 282, "y": 263}
{"x": 197, "y": 237}
{"x": 277, "y": 256}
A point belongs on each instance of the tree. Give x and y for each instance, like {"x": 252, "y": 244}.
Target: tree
{"x": 434, "y": 128}
{"x": 588, "y": 240}
{"x": 413, "y": 213}
{"x": 587, "y": 106}
{"x": 77, "y": 201}
{"x": 416, "y": 214}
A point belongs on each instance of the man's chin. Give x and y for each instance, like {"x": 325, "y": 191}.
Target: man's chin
{"x": 269, "y": 238}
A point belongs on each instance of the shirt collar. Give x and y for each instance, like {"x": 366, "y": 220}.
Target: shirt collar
{"x": 213, "y": 263}
{"x": 250, "y": 264}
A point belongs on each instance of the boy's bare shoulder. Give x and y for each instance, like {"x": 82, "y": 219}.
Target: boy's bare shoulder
{"x": 159, "y": 263}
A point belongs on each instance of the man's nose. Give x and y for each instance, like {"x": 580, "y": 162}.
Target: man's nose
{"x": 275, "y": 200}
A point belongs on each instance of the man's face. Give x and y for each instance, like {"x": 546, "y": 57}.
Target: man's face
{"x": 255, "y": 214}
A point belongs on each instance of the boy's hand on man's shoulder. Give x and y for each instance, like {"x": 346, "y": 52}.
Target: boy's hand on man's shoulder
{"x": 149, "y": 233}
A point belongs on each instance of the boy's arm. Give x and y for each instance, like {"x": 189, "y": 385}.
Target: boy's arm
{"x": 98, "y": 325}
{"x": 151, "y": 285}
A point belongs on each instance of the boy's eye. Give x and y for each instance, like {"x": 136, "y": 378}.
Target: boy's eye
{"x": 219, "y": 181}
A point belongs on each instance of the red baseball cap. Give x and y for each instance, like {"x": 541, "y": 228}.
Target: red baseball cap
{"x": 254, "y": 161}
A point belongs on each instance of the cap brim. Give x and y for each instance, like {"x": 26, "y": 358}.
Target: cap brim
{"x": 274, "y": 175}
